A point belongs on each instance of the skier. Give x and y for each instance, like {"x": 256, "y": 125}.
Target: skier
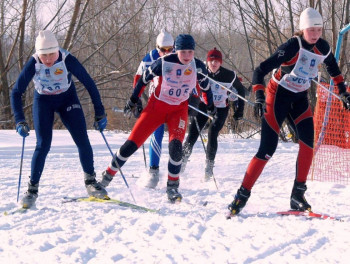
{"x": 297, "y": 62}
{"x": 175, "y": 76}
{"x": 51, "y": 69}
{"x": 221, "y": 97}
{"x": 164, "y": 45}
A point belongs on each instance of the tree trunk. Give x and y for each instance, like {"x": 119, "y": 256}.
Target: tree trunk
{"x": 72, "y": 24}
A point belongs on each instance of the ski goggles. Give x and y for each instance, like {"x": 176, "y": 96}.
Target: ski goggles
{"x": 166, "y": 49}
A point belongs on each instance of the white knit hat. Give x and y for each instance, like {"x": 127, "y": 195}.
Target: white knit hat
{"x": 46, "y": 42}
{"x": 164, "y": 39}
{"x": 310, "y": 18}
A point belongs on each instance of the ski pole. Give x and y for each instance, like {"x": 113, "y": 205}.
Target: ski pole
{"x": 121, "y": 173}
{"x": 329, "y": 91}
{"x": 205, "y": 150}
{"x": 144, "y": 155}
{"x": 117, "y": 110}
{"x": 199, "y": 111}
{"x": 20, "y": 169}
{"x": 236, "y": 94}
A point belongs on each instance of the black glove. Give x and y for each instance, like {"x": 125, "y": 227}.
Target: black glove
{"x": 133, "y": 106}
{"x": 259, "y": 107}
{"x": 211, "y": 110}
{"x": 238, "y": 115}
{"x": 194, "y": 102}
{"x": 100, "y": 122}
{"x": 345, "y": 96}
{"x": 138, "y": 109}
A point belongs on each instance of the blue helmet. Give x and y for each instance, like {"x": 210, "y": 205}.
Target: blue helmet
{"x": 184, "y": 42}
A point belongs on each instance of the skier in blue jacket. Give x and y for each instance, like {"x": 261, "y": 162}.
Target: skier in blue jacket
{"x": 51, "y": 70}
{"x": 164, "y": 45}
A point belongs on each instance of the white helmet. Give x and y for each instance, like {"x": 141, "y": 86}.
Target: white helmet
{"x": 310, "y": 18}
{"x": 164, "y": 39}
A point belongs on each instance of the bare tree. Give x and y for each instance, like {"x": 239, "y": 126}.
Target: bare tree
{"x": 110, "y": 37}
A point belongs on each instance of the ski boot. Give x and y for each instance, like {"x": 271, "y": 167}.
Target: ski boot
{"x": 239, "y": 202}
{"x": 106, "y": 179}
{"x": 153, "y": 177}
{"x": 186, "y": 153}
{"x": 94, "y": 188}
{"x": 30, "y": 195}
{"x": 172, "y": 192}
{"x": 297, "y": 198}
{"x": 209, "y": 170}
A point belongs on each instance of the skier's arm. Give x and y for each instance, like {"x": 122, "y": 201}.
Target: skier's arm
{"x": 19, "y": 89}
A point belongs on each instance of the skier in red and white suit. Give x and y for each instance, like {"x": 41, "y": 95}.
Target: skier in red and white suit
{"x": 175, "y": 76}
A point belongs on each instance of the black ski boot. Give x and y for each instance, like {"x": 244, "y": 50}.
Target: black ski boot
{"x": 172, "y": 192}
{"x": 30, "y": 196}
{"x": 94, "y": 188}
{"x": 297, "y": 198}
{"x": 208, "y": 172}
{"x": 239, "y": 202}
{"x": 106, "y": 179}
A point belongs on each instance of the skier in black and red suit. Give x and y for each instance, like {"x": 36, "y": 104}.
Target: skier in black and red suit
{"x": 297, "y": 62}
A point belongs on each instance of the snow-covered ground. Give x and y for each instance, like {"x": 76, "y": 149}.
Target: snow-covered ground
{"x": 56, "y": 232}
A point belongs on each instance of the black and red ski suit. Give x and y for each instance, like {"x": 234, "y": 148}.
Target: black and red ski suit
{"x": 282, "y": 103}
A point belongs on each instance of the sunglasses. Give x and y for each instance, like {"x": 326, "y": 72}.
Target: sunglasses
{"x": 166, "y": 49}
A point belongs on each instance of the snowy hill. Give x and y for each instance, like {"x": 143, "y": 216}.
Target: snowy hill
{"x": 56, "y": 232}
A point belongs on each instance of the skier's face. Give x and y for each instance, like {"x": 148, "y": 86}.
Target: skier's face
{"x": 185, "y": 56}
{"x": 214, "y": 65}
{"x": 49, "y": 59}
{"x": 312, "y": 35}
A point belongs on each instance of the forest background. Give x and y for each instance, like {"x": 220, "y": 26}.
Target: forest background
{"x": 110, "y": 38}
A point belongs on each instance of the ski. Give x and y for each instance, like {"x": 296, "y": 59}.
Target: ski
{"x": 308, "y": 214}
{"x": 16, "y": 211}
{"x": 113, "y": 201}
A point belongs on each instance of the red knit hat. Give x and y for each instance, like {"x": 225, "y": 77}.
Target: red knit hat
{"x": 214, "y": 54}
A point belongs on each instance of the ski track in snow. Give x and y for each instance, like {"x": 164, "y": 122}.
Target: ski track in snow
{"x": 84, "y": 232}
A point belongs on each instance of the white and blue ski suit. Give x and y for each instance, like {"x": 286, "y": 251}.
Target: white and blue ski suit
{"x": 55, "y": 92}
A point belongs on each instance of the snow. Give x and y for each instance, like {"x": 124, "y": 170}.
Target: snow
{"x": 56, "y": 232}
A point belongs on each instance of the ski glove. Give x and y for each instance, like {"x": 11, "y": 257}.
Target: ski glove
{"x": 22, "y": 128}
{"x": 211, "y": 110}
{"x": 345, "y": 96}
{"x": 100, "y": 122}
{"x": 138, "y": 109}
{"x": 133, "y": 106}
{"x": 259, "y": 107}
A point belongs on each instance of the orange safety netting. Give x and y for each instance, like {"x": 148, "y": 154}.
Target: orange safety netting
{"x": 331, "y": 160}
